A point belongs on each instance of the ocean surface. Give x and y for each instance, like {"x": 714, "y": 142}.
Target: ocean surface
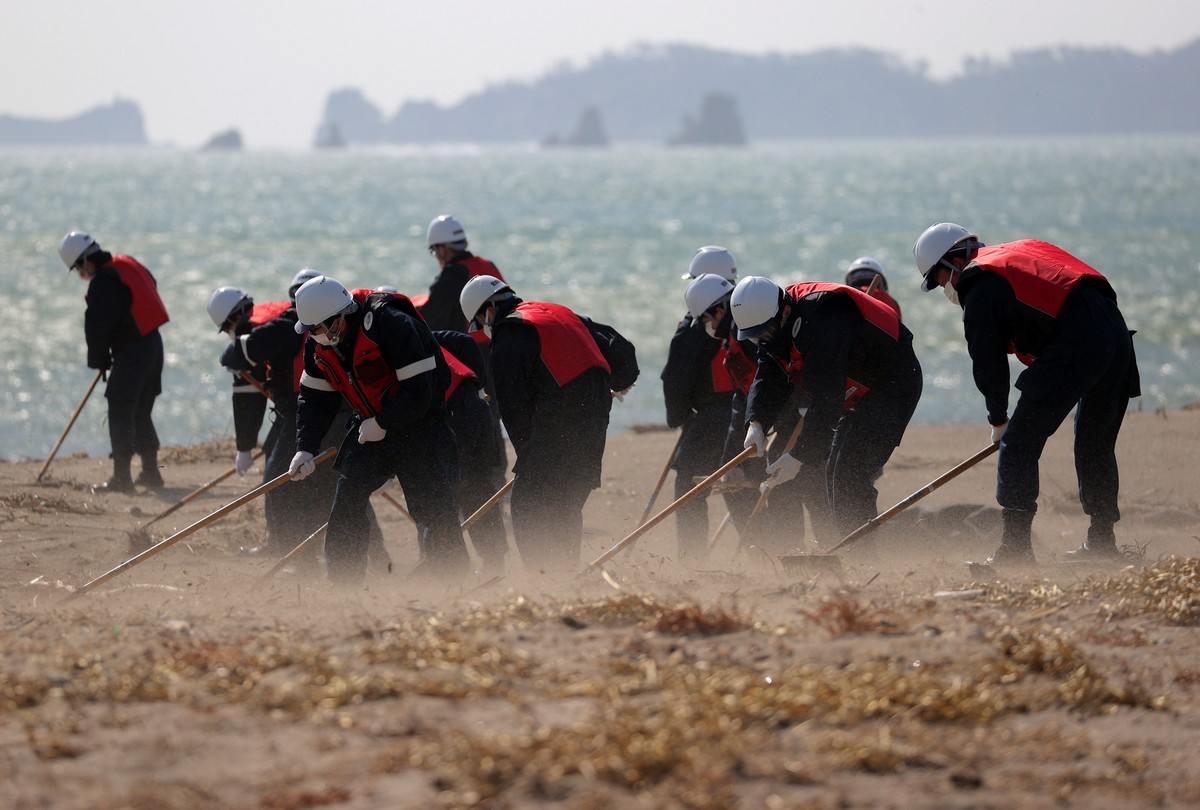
{"x": 607, "y": 233}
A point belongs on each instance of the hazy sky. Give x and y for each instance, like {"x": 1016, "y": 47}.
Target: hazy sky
{"x": 196, "y": 67}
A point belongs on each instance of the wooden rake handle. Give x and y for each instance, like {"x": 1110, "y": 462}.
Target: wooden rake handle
{"x": 884, "y": 517}
{"x": 162, "y": 545}
{"x": 193, "y": 495}
{"x": 662, "y": 477}
{"x": 248, "y": 377}
{"x": 489, "y": 503}
{"x": 318, "y": 534}
{"x": 661, "y": 516}
{"x": 70, "y": 423}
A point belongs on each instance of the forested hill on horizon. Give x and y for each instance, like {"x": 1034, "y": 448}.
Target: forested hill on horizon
{"x": 645, "y": 93}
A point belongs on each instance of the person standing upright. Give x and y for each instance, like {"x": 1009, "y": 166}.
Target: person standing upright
{"x": 121, "y": 323}
{"x": 447, "y": 240}
{"x": 1059, "y": 316}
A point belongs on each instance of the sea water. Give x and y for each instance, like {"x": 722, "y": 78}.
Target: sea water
{"x": 607, "y": 233}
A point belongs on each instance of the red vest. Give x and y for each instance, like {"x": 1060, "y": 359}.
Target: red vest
{"x": 568, "y": 348}
{"x": 265, "y": 313}
{"x": 1041, "y": 275}
{"x": 874, "y": 311}
{"x": 147, "y": 309}
{"x": 366, "y": 383}
{"x": 478, "y": 266}
{"x": 883, "y": 296}
{"x": 459, "y": 371}
{"x": 739, "y": 366}
{"x": 721, "y": 381}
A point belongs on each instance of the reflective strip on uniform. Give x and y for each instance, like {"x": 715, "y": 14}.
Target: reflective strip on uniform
{"x": 413, "y": 369}
{"x": 242, "y": 342}
{"x": 315, "y": 383}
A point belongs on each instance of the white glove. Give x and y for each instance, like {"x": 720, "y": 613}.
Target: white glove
{"x": 756, "y": 438}
{"x": 242, "y": 462}
{"x": 782, "y": 470}
{"x": 998, "y": 432}
{"x": 370, "y": 431}
{"x": 302, "y": 466}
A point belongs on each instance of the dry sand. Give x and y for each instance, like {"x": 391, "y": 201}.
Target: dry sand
{"x": 908, "y": 681}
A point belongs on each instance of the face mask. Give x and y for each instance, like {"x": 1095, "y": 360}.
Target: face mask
{"x": 322, "y": 339}
{"x": 951, "y": 292}
{"x": 710, "y": 328}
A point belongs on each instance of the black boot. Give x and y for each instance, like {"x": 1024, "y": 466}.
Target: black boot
{"x": 1101, "y": 543}
{"x": 150, "y": 477}
{"x": 121, "y": 480}
{"x": 1016, "y": 544}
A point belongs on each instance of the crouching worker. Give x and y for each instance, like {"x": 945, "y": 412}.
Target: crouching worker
{"x": 556, "y": 374}
{"x": 855, "y": 359}
{"x": 375, "y": 350}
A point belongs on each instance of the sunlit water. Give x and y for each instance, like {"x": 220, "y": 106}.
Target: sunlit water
{"x": 607, "y": 233}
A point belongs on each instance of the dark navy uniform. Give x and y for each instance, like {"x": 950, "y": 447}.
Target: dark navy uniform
{"x": 404, "y": 384}
{"x": 134, "y": 363}
{"x": 557, "y": 428}
{"x": 271, "y": 352}
{"x": 698, "y": 395}
{"x": 841, "y": 351}
{"x": 480, "y": 451}
{"x": 779, "y": 525}
{"x": 441, "y": 309}
{"x": 1061, "y": 317}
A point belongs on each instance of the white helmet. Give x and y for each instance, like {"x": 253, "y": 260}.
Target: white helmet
{"x": 318, "y": 299}
{"x": 74, "y": 246}
{"x": 713, "y": 259}
{"x": 863, "y": 271}
{"x": 225, "y": 303}
{"x": 445, "y": 230}
{"x": 933, "y": 244}
{"x": 754, "y": 304}
{"x": 478, "y": 291}
{"x": 705, "y": 292}
{"x": 387, "y": 288}
{"x": 299, "y": 279}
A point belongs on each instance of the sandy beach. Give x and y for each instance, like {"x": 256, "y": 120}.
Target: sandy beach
{"x": 904, "y": 679}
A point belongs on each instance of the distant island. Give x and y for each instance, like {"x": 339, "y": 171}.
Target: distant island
{"x": 588, "y": 132}
{"x": 717, "y": 125}
{"x": 228, "y": 141}
{"x": 116, "y": 124}
{"x": 642, "y": 95}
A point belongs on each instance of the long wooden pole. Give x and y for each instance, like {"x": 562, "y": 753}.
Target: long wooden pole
{"x": 248, "y": 377}
{"x": 317, "y": 535}
{"x": 661, "y": 516}
{"x": 390, "y": 498}
{"x": 663, "y": 475}
{"x": 70, "y": 424}
{"x": 162, "y": 545}
{"x": 884, "y": 517}
{"x": 489, "y": 503}
{"x": 193, "y": 495}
